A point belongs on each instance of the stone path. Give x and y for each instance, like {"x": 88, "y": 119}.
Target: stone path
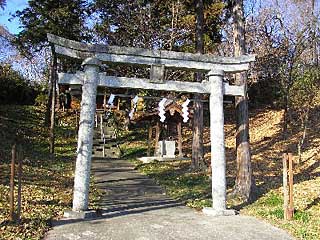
{"x": 135, "y": 208}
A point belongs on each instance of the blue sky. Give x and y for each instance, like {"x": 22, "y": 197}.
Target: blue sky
{"x": 11, "y": 7}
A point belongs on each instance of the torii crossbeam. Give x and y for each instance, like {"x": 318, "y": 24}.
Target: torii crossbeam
{"x": 90, "y": 79}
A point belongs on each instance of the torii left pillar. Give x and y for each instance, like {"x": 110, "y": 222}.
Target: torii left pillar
{"x": 218, "y": 158}
{"x": 85, "y": 141}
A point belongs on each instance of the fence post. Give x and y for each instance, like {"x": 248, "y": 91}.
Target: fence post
{"x": 149, "y": 140}
{"x": 291, "y": 208}
{"x": 13, "y": 159}
{"x": 285, "y": 186}
{"x": 20, "y": 161}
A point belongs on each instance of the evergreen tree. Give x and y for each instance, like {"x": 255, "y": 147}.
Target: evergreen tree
{"x": 14, "y": 88}
{"x": 65, "y": 18}
{"x": 185, "y": 25}
{"x": 2, "y": 3}
{"x": 169, "y": 25}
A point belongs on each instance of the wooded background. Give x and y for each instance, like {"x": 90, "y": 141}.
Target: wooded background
{"x": 284, "y": 35}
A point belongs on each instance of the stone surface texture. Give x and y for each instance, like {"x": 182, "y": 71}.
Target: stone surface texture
{"x": 135, "y": 208}
{"x": 141, "y": 56}
{"x": 166, "y": 149}
{"x": 218, "y": 161}
{"x": 143, "y": 83}
{"x": 85, "y": 135}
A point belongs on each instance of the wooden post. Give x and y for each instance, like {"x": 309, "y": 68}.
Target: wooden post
{"x": 149, "y": 140}
{"x": 105, "y": 101}
{"x": 53, "y": 100}
{"x": 101, "y": 127}
{"x": 104, "y": 148}
{"x": 13, "y": 159}
{"x": 285, "y": 186}
{"x": 157, "y": 137}
{"x": 179, "y": 130}
{"x": 20, "y": 161}
{"x": 291, "y": 207}
{"x": 118, "y": 104}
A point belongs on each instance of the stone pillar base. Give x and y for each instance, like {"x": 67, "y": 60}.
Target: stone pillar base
{"x": 216, "y": 213}
{"x": 80, "y": 215}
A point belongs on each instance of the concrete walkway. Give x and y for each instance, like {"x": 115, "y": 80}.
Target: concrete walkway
{"x": 135, "y": 208}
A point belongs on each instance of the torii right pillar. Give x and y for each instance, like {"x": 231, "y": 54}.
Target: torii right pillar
{"x": 218, "y": 158}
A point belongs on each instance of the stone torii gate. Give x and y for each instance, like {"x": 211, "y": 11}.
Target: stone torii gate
{"x": 91, "y": 78}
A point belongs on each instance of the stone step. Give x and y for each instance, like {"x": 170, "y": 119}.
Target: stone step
{"x": 100, "y": 149}
{"x": 110, "y": 146}
{"x": 97, "y": 136}
{"x": 115, "y": 154}
{"x": 108, "y": 142}
{"x": 106, "y": 146}
{"x": 105, "y": 130}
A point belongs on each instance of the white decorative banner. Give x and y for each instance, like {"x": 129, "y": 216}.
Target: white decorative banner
{"x": 161, "y": 110}
{"x": 185, "y": 113}
{"x": 135, "y": 102}
{"x": 111, "y": 99}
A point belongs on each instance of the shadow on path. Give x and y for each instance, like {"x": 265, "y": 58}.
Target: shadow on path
{"x": 133, "y": 206}
{"x": 126, "y": 191}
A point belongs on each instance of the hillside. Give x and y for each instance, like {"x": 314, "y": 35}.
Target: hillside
{"x": 47, "y": 181}
{"x": 267, "y": 148}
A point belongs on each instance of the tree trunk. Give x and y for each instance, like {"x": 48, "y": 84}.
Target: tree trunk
{"x": 197, "y": 143}
{"x": 53, "y": 76}
{"x": 244, "y": 181}
{"x": 314, "y": 35}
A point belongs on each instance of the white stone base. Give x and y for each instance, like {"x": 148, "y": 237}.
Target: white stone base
{"x": 164, "y": 158}
{"x": 216, "y": 213}
{"x": 80, "y": 215}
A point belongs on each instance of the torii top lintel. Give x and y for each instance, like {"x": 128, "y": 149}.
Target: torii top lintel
{"x": 140, "y": 56}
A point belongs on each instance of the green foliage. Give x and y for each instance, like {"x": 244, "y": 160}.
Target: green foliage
{"x": 273, "y": 200}
{"x": 305, "y": 88}
{"x": 302, "y": 216}
{"x": 278, "y": 213}
{"x": 2, "y": 3}
{"x": 194, "y": 189}
{"x": 168, "y": 25}
{"x": 14, "y": 89}
{"x": 156, "y": 24}
{"x": 41, "y": 100}
{"x": 65, "y": 18}
{"x": 60, "y": 17}
{"x": 270, "y": 206}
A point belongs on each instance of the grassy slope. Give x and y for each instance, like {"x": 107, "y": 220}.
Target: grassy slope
{"x": 47, "y": 183}
{"x": 265, "y": 132}
{"x": 267, "y": 149}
